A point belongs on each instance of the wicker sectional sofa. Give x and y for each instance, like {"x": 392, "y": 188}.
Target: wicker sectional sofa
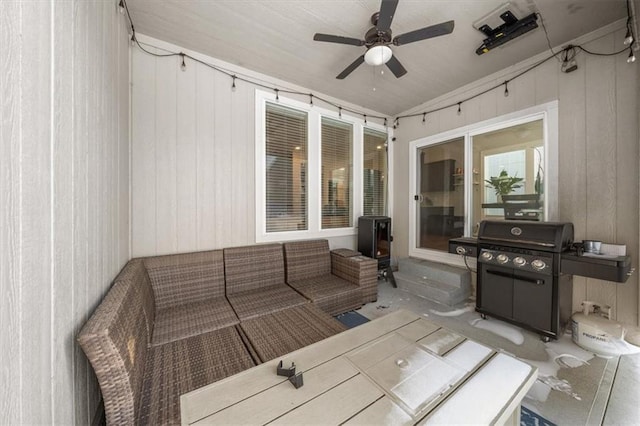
{"x": 172, "y": 324}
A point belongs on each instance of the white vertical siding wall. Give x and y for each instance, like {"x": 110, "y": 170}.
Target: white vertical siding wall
{"x": 64, "y": 198}
{"x": 193, "y": 151}
{"x": 598, "y": 150}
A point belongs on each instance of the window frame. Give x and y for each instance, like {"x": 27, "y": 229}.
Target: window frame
{"x": 547, "y": 112}
{"x": 314, "y": 159}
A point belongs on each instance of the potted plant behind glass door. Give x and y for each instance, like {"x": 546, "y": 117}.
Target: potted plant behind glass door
{"x": 503, "y": 184}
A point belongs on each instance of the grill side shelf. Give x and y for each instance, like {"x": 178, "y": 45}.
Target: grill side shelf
{"x": 616, "y": 269}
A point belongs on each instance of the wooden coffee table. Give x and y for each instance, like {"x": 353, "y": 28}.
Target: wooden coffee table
{"x": 398, "y": 369}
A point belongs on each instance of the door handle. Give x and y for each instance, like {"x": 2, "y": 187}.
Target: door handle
{"x": 500, "y": 273}
{"x": 535, "y": 281}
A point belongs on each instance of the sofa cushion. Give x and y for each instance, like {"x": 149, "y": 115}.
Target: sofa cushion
{"x": 185, "y": 278}
{"x": 184, "y": 365}
{"x": 330, "y": 293}
{"x": 307, "y": 259}
{"x": 190, "y": 319}
{"x": 253, "y": 267}
{"x": 279, "y": 333}
{"x": 266, "y": 300}
{"x": 115, "y": 341}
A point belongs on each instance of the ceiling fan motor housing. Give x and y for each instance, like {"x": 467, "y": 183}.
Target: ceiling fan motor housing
{"x": 373, "y": 37}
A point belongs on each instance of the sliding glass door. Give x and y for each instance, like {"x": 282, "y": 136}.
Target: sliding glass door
{"x": 500, "y": 169}
{"x": 440, "y": 207}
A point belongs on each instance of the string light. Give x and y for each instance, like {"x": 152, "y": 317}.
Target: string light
{"x": 506, "y": 89}
{"x": 183, "y": 66}
{"x": 311, "y": 99}
{"x": 365, "y": 118}
{"x": 568, "y": 66}
{"x": 424, "y": 117}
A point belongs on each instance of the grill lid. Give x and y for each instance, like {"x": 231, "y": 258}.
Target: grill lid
{"x": 548, "y": 236}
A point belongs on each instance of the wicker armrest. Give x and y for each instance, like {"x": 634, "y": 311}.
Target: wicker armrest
{"x": 359, "y": 270}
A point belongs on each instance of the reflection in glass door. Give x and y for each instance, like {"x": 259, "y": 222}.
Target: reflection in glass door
{"x": 511, "y": 165}
{"x": 440, "y": 202}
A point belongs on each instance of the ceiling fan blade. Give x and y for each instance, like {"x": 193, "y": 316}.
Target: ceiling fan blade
{"x": 387, "y": 10}
{"x": 348, "y": 70}
{"x": 338, "y": 39}
{"x": 396, "y": 67}
{"x": 424, "y": 33}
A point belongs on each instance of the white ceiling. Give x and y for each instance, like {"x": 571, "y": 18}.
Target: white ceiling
{"x": 275, "y": 37}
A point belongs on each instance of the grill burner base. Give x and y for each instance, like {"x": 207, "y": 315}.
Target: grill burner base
{"x": 519, "y": 279}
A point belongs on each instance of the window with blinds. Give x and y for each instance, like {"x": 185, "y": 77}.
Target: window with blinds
{"x": 374, "y": 183}
{"x": 337, "y": 174}
{"x": 286, "y": 169}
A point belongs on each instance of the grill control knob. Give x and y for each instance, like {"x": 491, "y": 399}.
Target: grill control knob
{"x": 502, "y": 258}
{"x": 538, "y": 264}
{"x": 486, "y": 255}
{"x": 519, "y": 261}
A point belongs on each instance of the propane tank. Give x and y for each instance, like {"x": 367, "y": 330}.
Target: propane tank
{"x": 593, "y": 330}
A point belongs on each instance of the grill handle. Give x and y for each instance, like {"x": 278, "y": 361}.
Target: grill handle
{"x": 517, "y": 277}
{"x": 517, "y": 241}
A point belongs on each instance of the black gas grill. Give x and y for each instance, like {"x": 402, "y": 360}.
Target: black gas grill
{"x": 519, "y": 277}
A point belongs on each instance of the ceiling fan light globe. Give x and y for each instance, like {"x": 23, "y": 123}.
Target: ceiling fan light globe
{"x": 378, "y": 55}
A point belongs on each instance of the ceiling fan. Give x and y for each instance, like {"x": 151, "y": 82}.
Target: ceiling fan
{"x": 378, "y": 39}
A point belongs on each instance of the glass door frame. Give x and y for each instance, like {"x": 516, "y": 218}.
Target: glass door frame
{"x": 547, "y": 112}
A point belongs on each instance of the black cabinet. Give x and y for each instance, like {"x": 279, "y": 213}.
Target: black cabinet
{"x": 537, "y": 301}
{"x": 374, "y": 239}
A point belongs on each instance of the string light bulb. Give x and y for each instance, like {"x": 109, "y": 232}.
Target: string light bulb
{"x": 628, "y": 38}
{"x": 121, "y": 6}
{"x": 365, "y": 118}
{"x": 340, "y": 112}
{"x": 632, "y": 58}
{"x": 233, "y": 83}
{"x": 424, "y": 117}
{"x": 385, "y": 122}
{"x": 459, "y": 108}
{"x": 133, "y": 38}
{"x": 183, "y": 66}
{"x": 506, "y": 89}
{"x": 311, "y": 99}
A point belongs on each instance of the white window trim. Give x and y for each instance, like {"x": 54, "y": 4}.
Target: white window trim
{"x": 548, "y": 112}
{"x": 315, "y": 114}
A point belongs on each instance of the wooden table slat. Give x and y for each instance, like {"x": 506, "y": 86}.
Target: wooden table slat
{"x": 337, "y": 406}
{"x": 266, "y": 406}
